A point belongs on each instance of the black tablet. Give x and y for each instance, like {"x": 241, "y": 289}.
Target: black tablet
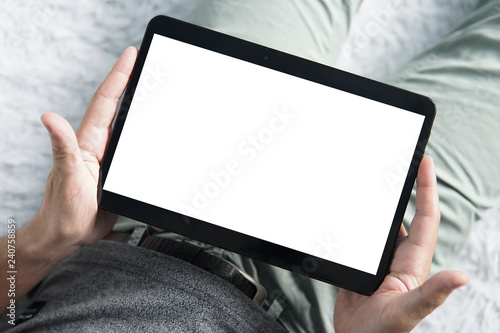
{"x": 266, "y": 154}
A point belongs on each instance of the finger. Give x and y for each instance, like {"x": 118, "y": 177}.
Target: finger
{"x": 402, "y": 231}
{"x": 421, "y": 301}
{"x": 95, "y": 127}
{"x": 402, "y": 235}
{"x": 427, "y": 200}
{"x": 65, "y": 151}
{"x": 424, "y": 227}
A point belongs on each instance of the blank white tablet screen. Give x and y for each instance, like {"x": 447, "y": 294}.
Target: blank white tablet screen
{"x": 264, "y": 153}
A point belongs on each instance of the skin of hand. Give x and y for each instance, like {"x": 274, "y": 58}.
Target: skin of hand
{"x": 406, "y": 295}
{"x": 70, "y": 203}
{"x": 69, "y": 217}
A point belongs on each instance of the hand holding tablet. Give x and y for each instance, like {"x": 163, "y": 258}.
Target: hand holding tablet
{"x": 406, "y": 295}
{"x": 269, "y": 155}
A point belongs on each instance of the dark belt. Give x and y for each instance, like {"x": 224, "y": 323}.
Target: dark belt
{"x": 198, "y": 257}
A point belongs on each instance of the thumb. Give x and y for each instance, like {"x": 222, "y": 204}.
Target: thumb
{"x": 65, "y": 149}
{"x": 423, "y": 300}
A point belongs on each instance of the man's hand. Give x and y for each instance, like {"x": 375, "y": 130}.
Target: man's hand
{"x": 69, "y": 211}
{"x": 69, "y": 217}
{"x": 406, "y": 296}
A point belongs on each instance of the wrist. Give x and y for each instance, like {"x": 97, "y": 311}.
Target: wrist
{"x": 39, "y": 242}
{"x": 37, "y": 252}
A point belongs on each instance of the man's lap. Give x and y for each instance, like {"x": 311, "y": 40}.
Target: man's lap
{"x": 462, "y": 76}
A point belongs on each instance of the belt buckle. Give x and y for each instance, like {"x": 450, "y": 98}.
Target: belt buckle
{"x": 260, "y": 294}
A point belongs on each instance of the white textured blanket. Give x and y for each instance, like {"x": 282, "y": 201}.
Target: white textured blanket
{"x": 54, "y": 54}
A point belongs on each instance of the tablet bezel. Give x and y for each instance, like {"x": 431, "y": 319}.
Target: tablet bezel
{"x": 298, "y": 262}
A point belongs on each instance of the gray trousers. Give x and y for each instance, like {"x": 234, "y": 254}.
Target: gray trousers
{"x": 461, "y": 74}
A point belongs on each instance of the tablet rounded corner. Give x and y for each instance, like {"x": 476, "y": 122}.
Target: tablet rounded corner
{"x": 155, "y": 21}
{"x": 429, "y": 106}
